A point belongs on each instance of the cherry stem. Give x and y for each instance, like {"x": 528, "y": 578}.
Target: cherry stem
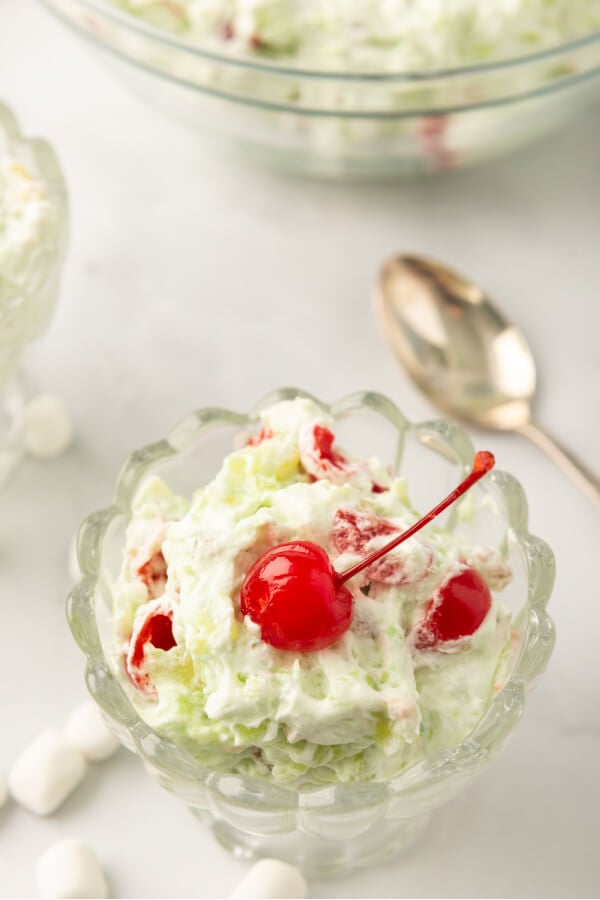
{"x": 482, "y": 464}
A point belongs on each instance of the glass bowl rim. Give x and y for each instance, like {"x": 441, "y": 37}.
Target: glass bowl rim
{"x": 504, "y": 709}
{"x": 141, "y": 27}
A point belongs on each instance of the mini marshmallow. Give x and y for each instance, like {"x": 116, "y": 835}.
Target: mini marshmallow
{"x": 46, "y": 772}
{"x": 3, "y": 791}
{"x": 70, "y": 869}
{"x": 73, "y": 561}
{"x": 85, "y": 729}
{"x": 271, "y": 878}
{"x": 47, "y": 427}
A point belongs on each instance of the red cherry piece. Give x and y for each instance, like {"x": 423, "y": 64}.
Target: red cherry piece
{"x": 161, "y": 631}
{"x": 324, "y": 439}
{"x": 354, "y": 532}
{"x": 319, "y": 457}
{"x": 227, "y": 31}
{"x": 456, "y": 610}
{"x": 433, "y": 139}
{"x": 263, "y": 435}
{"x": 154, "y": 574}
{"x": 157, "y": 630}
{"x": 292, "y": 593}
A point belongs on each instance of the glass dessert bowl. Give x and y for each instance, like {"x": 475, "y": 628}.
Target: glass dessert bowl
{"x": 33, "y": 238}
{"x": 341, "y": 117}
{"x": 337, "y": 824}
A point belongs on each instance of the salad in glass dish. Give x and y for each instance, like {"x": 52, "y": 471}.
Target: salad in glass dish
{"x": 33, "y": 237}
{"x": 373, "y": 35}
{"x": 371, "y": 88}
{"x": 252, "y": 633}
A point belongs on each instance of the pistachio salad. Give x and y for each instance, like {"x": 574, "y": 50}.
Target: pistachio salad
{"x": 373, "y": 35}
{"x": 393, "y": 688}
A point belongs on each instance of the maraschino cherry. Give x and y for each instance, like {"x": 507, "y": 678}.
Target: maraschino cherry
{"x": 157, "y": 630}
{"x": 292, "y": 592}
{"x": 301, "y": 603}
{"x": 457, "y": 609}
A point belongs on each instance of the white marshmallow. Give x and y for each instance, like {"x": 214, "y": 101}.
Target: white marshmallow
{"x": 3, "y": 791}
{"x": 271, "y": 878}
{"x": 46, "y": 772}
{"x": 47, "y": 427}
{"x": 73, "y": 562}
{"x": 85, "y": 729}
{"x": 70, "y": 869}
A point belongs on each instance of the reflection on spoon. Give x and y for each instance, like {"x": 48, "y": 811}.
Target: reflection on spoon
{"x": 466, "y": 357}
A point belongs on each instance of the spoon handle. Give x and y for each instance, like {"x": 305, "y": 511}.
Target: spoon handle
{"x": 586, "y": 480}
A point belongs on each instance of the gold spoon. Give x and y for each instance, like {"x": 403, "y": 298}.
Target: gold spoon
{"x": 461, "y": 351}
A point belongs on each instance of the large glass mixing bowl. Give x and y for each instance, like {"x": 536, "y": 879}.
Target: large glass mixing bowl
{"x": 340, "y": 123}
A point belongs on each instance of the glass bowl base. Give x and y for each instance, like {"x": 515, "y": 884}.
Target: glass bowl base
{"x": 12, "y": 406}
{"x": 320, "y": 856}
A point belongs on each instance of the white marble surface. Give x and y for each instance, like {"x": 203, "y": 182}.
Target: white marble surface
{"x": 194, "y": 281}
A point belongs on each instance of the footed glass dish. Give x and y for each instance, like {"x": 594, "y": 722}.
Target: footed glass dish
{"x": 337, "y": 826}
{"x": 33, "y": 239}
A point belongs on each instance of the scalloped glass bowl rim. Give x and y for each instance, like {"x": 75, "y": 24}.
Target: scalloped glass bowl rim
{"x": 130, "y": 22}
{"x": 507, "y": 704}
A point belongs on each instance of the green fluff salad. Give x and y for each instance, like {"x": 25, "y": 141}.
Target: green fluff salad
{"x": 372, "y": 35}
{"x": 395, "y": 687}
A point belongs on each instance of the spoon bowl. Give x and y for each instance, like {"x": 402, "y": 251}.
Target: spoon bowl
{"x": 464, "y": 354}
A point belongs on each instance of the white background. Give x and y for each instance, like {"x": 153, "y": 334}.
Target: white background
{"x": 192, "y": 281}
